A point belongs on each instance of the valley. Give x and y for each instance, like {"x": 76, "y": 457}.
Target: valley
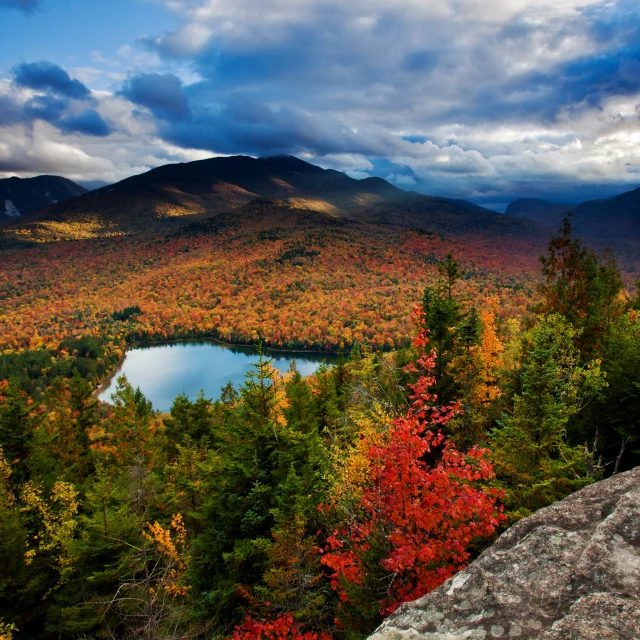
{"x": 339, "y": 275}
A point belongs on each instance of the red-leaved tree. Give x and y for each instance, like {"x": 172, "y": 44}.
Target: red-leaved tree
{"x": 412, "y": 528}
{"x": 284, "y": 627}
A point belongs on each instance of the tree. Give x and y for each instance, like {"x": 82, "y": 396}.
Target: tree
{"x": 453, "y": 332}
{"x": 149, "y": 604}
{"x": 16, "y": 430}
{"x": 612, "y": 420}
{"x": 83, "y": 404}
{"x": 268, "y": 472}
{"x": 530, "y": 453}
{"x": 13, "y": 541}
{"x": 60, "y": 448}
{"x": 477, "y": 370}
{"x": 189, "y": 422}
{"x": 411, "y": 529}
{"x": 450, "y": 271}
{"x": 582, "y": 287}
{"x": 130, "y": 429}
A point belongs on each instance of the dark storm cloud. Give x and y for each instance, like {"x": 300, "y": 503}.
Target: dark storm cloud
{"x": 46, "y": 76}
{"x": 259, "y": 129}
{"x": 45, "y": 107}
{"x": 89, "y": 123}
{"x": 57, "y": 105}
{"x": 162, "y": 94}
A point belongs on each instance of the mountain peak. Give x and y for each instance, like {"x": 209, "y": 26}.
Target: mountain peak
{"x": 284, "y": 162}
{"x": 175, "y": 194}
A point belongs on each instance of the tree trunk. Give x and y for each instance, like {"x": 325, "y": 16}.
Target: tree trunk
{"x": 622, "y": 446}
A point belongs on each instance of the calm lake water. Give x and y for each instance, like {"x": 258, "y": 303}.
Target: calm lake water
{"x": 166, "y": 370}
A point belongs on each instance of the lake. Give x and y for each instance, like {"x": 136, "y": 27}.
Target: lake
{"x": 164, "y": 371}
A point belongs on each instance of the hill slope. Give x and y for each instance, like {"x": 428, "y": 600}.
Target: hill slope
{"x": 614, "y": 222}
{"x": 172, "y": 195}
{"x": 610, "y": 220}
{"x": 548, "y": 214}
{"x": 20, "y": 197}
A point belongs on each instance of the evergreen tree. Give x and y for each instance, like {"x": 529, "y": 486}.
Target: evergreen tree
{"x": 17, "y": 601}
{"x": 189, "y": 421}
{"x": 269, "y": 471}
{"x": 83, "y": 404}
{"x": 530, "y": 452}
{"x": 16, "y": 430}
{"x": 610, "y": 426}
{"x": 581, "y": 286}
{"x": 130, "y": 428}
{"x": 452, "y": 331}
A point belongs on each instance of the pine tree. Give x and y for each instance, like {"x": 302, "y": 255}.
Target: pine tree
{"x": 129, "y": 432}
{"x": 529, "y": 448}
{"x": 581, "y": 286}
{"x": 268, "y": 471}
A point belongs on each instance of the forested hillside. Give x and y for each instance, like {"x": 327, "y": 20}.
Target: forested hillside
{"x": 471, "y": 391}
{"x": 170, "y": 197}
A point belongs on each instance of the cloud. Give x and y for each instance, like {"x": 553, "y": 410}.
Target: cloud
{"x": 46, "y": 76}
{"x": 462, "y": 96}
{"x": 25, "y": 5}
{"x": 11, "y": 111}
{"x": 482, "y": 99}
{"x": 44, "y": 107}
{"x": 89, "y": 123}
{"x": 162, "y": 94}
{"x": 63, "y": 103}
{"x": 258, "y": 129}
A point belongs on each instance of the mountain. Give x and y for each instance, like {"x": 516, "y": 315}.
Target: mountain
{"x": 170, "y": 196}
{"x": 20, "y": 197}
{"x": 611, "y": 221}
{"x": 548, "y": 214}
{"x": 464, "y": 203}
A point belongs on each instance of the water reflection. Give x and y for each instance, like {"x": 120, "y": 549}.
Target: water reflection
{"x": 164, "y": 371}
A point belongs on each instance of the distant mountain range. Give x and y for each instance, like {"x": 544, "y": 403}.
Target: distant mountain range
{"x": 615, "y": 221}
{"x": 548, "y": 214}
{"x": 20, "y": 197}
{"x": 172, "y": 195}
{"x": 240, "y": 187}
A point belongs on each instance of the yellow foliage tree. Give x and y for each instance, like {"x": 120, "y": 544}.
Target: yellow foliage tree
{"x": 57, "y": 517}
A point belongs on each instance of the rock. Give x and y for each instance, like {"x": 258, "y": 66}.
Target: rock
{"x": 568, "y": 572}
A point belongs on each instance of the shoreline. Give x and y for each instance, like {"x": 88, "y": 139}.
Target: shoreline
{"x": 104, "y": 384}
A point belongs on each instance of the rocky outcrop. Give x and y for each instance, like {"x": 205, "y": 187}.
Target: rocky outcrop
{"x": 568, "y": 572}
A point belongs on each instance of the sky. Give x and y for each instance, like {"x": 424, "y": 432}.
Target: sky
{"x": 487, "y": 100}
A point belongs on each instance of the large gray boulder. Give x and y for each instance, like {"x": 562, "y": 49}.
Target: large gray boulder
{"x": 568, "y": 572}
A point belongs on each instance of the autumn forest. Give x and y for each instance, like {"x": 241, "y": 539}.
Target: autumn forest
{"x": 482, "y": 368}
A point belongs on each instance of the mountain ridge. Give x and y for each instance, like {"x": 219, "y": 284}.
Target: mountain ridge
{"x": 612, "y": 221}
{"x": 174, "y": 194}
{"x": 544, "y": 212}
{"x": 21, "y": 197}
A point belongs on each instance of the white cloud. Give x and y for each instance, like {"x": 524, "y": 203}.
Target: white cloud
{"x": 341, "y": 83}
